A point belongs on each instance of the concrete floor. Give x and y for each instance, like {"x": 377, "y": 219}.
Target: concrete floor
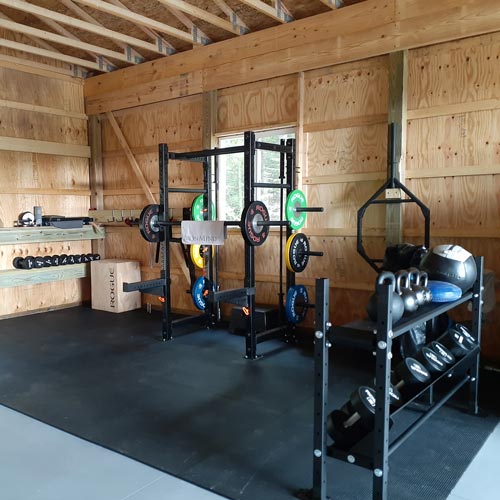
{"x": 40, "y": 462}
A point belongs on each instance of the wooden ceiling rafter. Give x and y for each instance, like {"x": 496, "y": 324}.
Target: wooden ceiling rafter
{"x": 279, "y": 12}
{"x": 79, "y": 12}
{"x": 72, "y": 41}
{"x": 30, "y": 8}
{"x": 238, "y": 23}
{"x": 136, "y": 18}
{"x": 155, "y": 36}
{"x": 58, "y": 56}
{"x": 201, "y": 14}
{"x": 199, "y": 37}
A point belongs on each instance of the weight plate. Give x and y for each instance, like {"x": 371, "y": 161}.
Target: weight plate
{"x": 296, "y": 199}
{"x": 198, "y": 210}
{"x": 196, "y": 253}
{"x": 17, "y": 262}
{"x": 55, "y": 260}
{"x": 252, "y": 232}
{"x": 78, "y": 258}
{"x": 296, "y": 252}
{"x": 363, "y": 401}
{"x": 39, "y": 262}
{"x": 296, "y": 303}
{"x": 71, "y": 259}
{"x": 28, "y": 262}
{"x": 148, "y": 223}
{"x": 47, "y": 261}
{"x": 199, "y": 291}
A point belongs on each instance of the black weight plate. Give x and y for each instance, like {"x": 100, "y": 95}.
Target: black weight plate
{"x": 148, "y": 223}
{"x": 297, "y": 256}
{"x": 39, "y": 262}
{"x": 55, "y": 260}
{"x": 363, "y": 401}
{"x": 63, "y": 259}
{"x": 17, "y": 262}
{"x": 252, "y": 232}
{"x": 47, "y": 261}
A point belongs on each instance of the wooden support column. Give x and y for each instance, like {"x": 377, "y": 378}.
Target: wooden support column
{"x": 209, "y": 126}
{"x": 95, "y": 174}
{"x": 398, "y": 74}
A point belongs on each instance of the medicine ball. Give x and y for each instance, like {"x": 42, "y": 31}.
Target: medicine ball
{"x": 450, "y": 263}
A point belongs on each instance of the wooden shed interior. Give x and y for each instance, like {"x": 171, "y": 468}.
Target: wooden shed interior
{"x": 90, "y": 88}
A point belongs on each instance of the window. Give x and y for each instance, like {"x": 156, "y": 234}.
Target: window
{"x": 231, "y": 175}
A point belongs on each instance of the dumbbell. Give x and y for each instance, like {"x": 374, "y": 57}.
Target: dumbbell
{"x": 412, "y": 374}
{"x": 443, "y": 353}
{"x": 63, "y": 259}
{"x": 55, "y": 260}
{"x": 71, "y": 259}
{"x": 78, "y": 258}
{"x": 17, "y": 262}
{"x": 47, "y": 261}
{"x": 458, "y": 340}
{"x": 431, "y": 361}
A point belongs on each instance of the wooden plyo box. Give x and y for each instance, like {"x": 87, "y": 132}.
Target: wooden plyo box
{"x": 108, "y": 276}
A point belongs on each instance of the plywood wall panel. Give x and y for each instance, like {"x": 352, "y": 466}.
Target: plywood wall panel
{"x": 346, "y": 92}
{"x": 456, "y": 72}
{"x": 347, "y": 150}
{"x": 260, "y": 105}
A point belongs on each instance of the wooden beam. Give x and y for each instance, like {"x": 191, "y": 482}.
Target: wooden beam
{"x": 72, "y": 41}
{"x": 356, "y": 32}
{"x": 398, "y": 78}
{"x": 46, "y": 191}
{"x": 157, "y": 38}
{"x": 43, "y": 147}
{"x": 57, "y": 56}
{"x": 39, "y": 42}
{"x": 343, "y": 178}
{"x": 237, "y": 22}
{"x": 96, "y": 180}
{"x": 209, "y": 125}
{"x": 277, "y": 12}
{"x": 41, "y": 109}
{"x": 472, "y": 170}
{"x": 190, "y": 9}
{"x": 23, "y": 277}
{"x": 131, "y": 158}
{"x": 25, "y": 235}
{"x": 127, "y": 49}
{"x": 136, "y": 18}
{"x": 76, "y": 23}
{"x": 453, "y": 109}
{"x": 36, "y": 68}
{"x": 199, "y": 37}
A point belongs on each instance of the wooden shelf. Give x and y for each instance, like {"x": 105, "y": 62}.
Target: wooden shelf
{"x": 16, "y": 235}
{"x": 21, "y": 277}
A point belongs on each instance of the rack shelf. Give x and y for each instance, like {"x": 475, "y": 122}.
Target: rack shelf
{"x": 21, "y": 277}
{"x": 373, "y": 450}
{"x": 17, "y": 235}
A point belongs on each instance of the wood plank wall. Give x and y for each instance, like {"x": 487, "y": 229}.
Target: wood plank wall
{"x": 47, "y": 114}
{"x": 453, "y": 150}
{"x": 341, "y": 116}
{"x": 177, "y": 123}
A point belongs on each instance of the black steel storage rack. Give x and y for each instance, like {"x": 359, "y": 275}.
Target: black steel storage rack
{"x": 374, "y": 450}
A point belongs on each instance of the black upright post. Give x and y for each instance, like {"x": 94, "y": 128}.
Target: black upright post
{"x": 382, "y": 380}
{"x": 290, "y": 180}
{"x": 207, "y": 215}
{"x": 249, "y": 176}
{"x": 166, "y": 325}
{"x": 321, "y": 344}
{"x": 477, "y": 311}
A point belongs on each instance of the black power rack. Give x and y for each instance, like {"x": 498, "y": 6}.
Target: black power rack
{"x": 244, "y": 296}
{"x": 373, "y": 451}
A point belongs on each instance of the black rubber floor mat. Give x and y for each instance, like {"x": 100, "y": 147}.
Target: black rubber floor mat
{"x": 195, "y": 408}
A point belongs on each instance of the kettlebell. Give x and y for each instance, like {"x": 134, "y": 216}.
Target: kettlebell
{"x": 409, "y": 297}
{"x": 421, "y": 291}
{"x": 397, "y": 302}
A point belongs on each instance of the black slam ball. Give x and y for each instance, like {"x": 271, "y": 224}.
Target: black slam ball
{"x": 450, "y": 263}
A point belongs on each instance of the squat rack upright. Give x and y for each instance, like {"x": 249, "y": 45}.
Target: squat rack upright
{"x": 244, "y": 296}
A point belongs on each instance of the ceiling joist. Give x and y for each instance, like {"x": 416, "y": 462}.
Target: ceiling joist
{"x": 156, "y": 37}
{"x": 187, "y": 8}
{"x": 278, "y": 12}
{"x": 86, "y": 26}
{"x": 199, "y": 37}
{"x": 127, "y": 49}
{"x": 237, "y": 22}
{"x": 136, "y": 18}
{"x": 58, "y": 56}
{"x": 71, "y": 42}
